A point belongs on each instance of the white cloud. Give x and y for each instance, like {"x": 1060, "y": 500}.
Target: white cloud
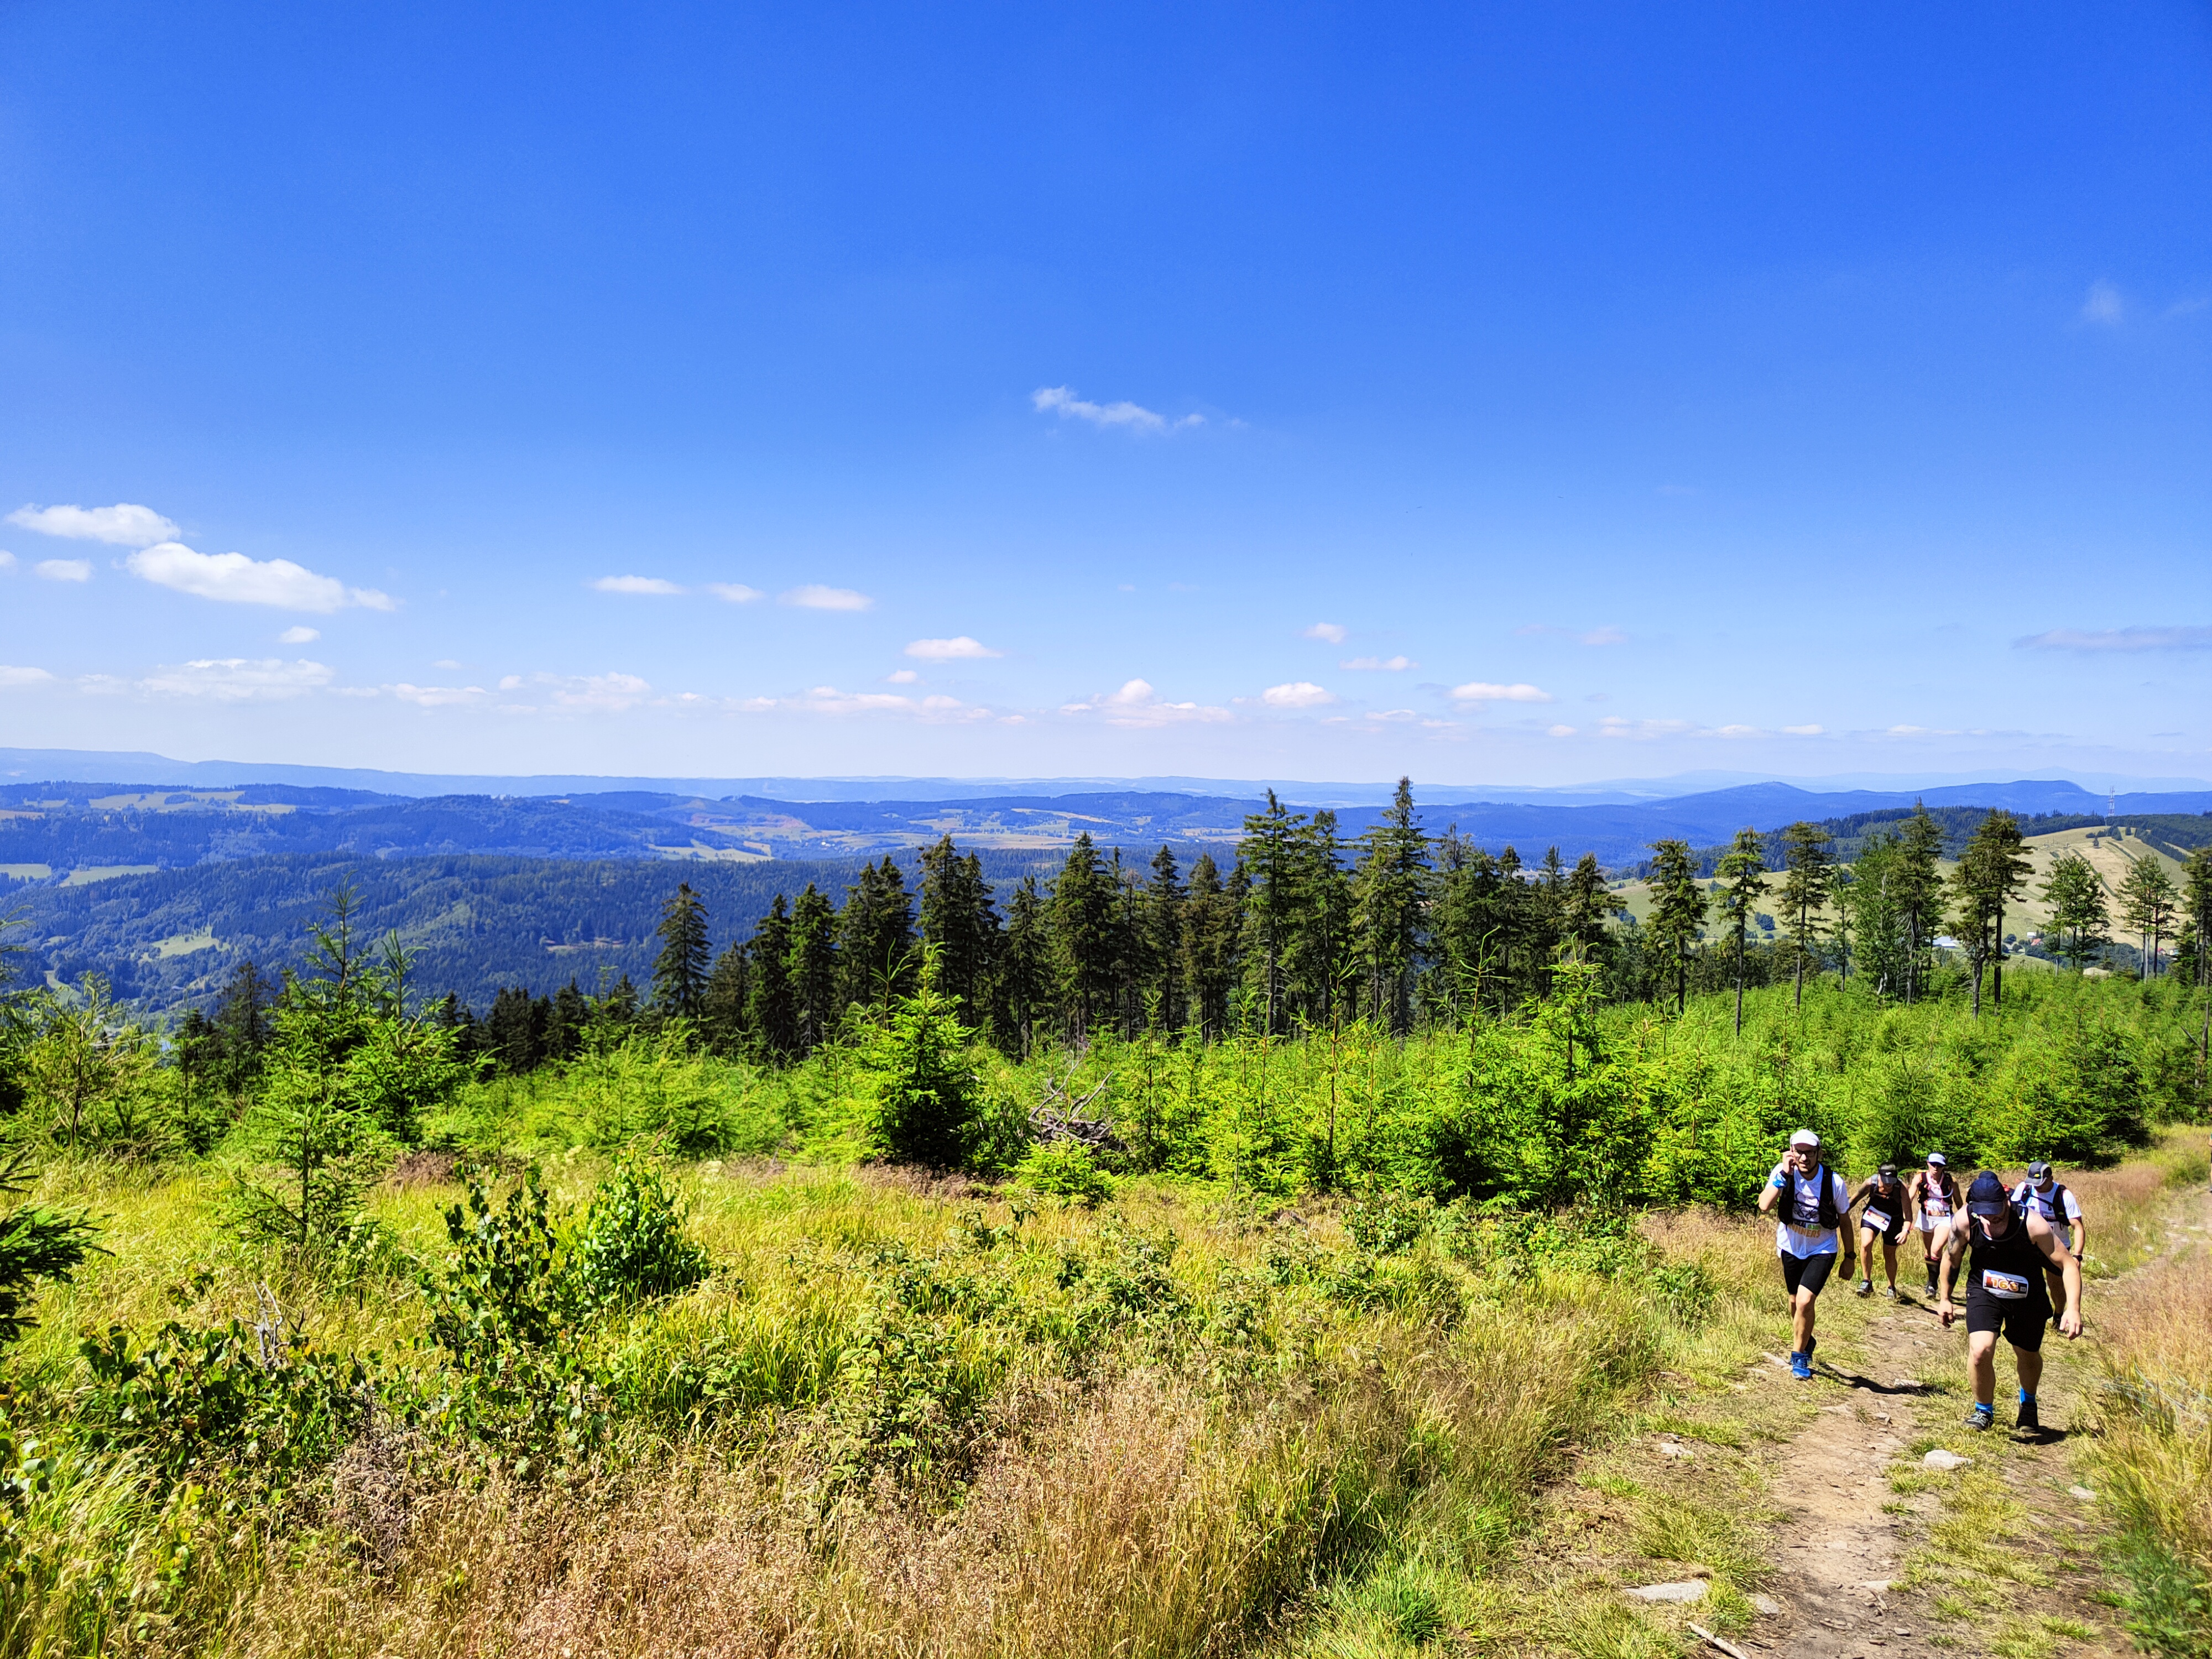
{"x": 236, "y": 579}
{"x": 1561, "y": 731}
{"x": 2103, "y": 305}
{"x": 436, "y": 696}
{"x": 815, "y": 597}
{"x": 828, "y": 699}
{"x": 903, "y": 677}
{"x": 7, "y": 560}
{"x": 1740, "y": 731}
{"x": 1607, "y": 635}
{"x": 1333, "y": 632}
{"x": 957, "y": 648}
{"x": 1379, "y": 664}
{"x": 237, "y": 679}
{"x": 510, "y": 682}
{"x": 22, "y": 676}
{"x": 1136, "y": 704}
{"x": 2175, "y": 638}
{"x": 1488, "y": 691}
{"x": 1614, "y": 726}
{"x": 612, "y": 693}
{"x": 299, "y": 634}
{"x": 120, "y": 526}
{"x": 1805, "y": 730}
{"x": 64, "y": 570}
{"x": 1298, "y": 694}
{"x": 635, "y": 585}
{"x": 1062, "y": 401}
{"x": 735, "y": 592}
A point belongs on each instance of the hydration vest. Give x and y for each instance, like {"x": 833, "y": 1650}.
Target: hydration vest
{"x": 1947, "y": 1195}
{"x": 2053, "y": 1208}
{"x": 1825, "y": 1213}
{"x": 2010, "y": 1268}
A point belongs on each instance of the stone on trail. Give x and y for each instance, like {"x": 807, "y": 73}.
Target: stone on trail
{"x": 1674, "y": 1448}
{"x": 1766, "y": 1605}
{"x": 2083, "y": 1493}
{"x": 1690, "y": 1589}
{"x": 1940, "y": 1458}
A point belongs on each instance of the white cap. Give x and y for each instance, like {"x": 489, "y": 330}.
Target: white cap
{"x": 1804, "y": 1137}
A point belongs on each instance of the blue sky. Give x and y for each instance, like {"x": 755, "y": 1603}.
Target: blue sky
{"x": 1500, "y": 394}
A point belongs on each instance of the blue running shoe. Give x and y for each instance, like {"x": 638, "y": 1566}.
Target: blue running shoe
{"x": 1801, "y": 1367}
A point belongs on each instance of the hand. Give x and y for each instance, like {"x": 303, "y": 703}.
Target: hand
{"x": 2070, "y": 1324}
{"x": 1946, "y": 1312}
{"x": 1790, "y": 1162}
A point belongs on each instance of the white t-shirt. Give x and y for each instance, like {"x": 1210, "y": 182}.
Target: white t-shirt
{"x": 2063, "y": 1224}
{"x": 1799, "y": 1232}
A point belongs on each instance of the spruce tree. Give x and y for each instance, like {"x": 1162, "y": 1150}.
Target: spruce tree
{"x": 1163, "y": 943}
{"x": 1025, "y": 977}
{"x": 2197, "y": 908}
{"x": 1742, "y": 882}
{"x": 875, "y": 939}
{"x": 725, "y": 1007}
{"x": 1390, "y": 893}
{"x": 814, "y": 969}
{"x": 958, "y": 922}
{"x": 2074, "y": 896}
{"x": 1993, "y": 868}
{"x": 1807, "y": 885}
{"x": 1677, "y": 910}
{"x": 679, "y": 972}
{"x": 1274, "y": 858}
{"x": 1211, "y": 923}
{"x": 2148, "y": 904}
{"x": 1918, "y": 891}
{"x": 1585, "y": 906}
{"x": 772, "y": 1003}
{"x": 1083, "y": 920}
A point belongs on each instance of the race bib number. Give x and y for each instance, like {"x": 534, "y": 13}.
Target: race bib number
{"x": 1878, "y": 1221}
{"x": 2005, "y": 1287}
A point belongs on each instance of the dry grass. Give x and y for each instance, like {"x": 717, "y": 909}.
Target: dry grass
{"x": 2156, "y": 1451}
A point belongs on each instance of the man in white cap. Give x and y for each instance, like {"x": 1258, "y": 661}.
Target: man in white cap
{"x": 1808, "y": 1237}
{"x": 2055, "y": 1203}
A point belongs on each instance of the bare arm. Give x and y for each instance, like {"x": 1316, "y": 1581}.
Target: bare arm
{"x": 1771, "y": 1194}
{"x": 1954, "y": 1248}
{"x": 2044, "y": 1238}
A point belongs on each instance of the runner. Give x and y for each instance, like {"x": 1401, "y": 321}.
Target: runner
{"x": 2058, "y": 1205}
{"x": 1935, "y": 1200}
{"x": 1814, "y": 1205}
{"x": 1884, "y": 1217}
{"x": 2006, "y": 1295}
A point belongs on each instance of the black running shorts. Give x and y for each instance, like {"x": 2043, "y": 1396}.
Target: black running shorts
{"x": 1806, "y": 1272}
{"x": 2021, "y": 1321}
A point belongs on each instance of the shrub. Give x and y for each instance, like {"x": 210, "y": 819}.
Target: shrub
{"x": 1065, "y": 1169}
{"x": 631, "y": 1247}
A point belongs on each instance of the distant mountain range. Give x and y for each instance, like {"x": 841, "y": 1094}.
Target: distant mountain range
{"x": 164, "y": 884}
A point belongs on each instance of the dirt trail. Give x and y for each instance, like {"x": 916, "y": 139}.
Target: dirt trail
{"x": 1840, "y": 1555}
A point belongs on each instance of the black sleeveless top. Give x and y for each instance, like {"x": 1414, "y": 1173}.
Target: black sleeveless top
{"x": 2007, "y": 1269}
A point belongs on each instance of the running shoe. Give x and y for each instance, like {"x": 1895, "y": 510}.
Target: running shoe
{"x": 1982, "y": 1418}
{"x": 1866, "y": 1287}
{"x": 1891, "y": 1292}
{"x": 2025, "y": 1418}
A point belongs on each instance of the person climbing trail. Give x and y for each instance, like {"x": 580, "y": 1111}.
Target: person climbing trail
{"x": 1814, "y": 1205}
{"x": 2059, "y": 1206}
{"x": 1885, "y": 1218}
{"x": 2006, "y": 1294}
{"x": 1934, "y": 1206}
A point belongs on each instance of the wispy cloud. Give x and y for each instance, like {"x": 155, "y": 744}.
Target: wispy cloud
{"x": 1608, "y": 635}
{"x": 1379, "y": 664}
{"x": 1741, "y": 731}
{"x": 437, "y": 696}
{"x": 1614, "y": 726}
{"x": 233, "y": 578}
{"x": 958, "y": 648}
{"x": 1805, "y": 730}
{"x": 1298, "y": 694}
{"x": 642, "y": 584}
{"x": 604, "y": 693}
{"x": 12, "y": 677}
{"x": 735, "y": 592}
{"x": 7, "y": 560}
{"x": 299, "y": 634}
{"x": 237, "y": 679}
{"x": 901, "y": 677}
{"x": 2174, "y": 637}
{"x": 64, "y": 570}
{"x": 2103, "y": 305}
{"x": 1560, "y": 731}
{"x": 1137, "y": 705}
{"x": 120, "y": 526}
{"x": 816, "y": 597}
{"x": 1333, "y": 632}
{"x": 1488, "y": 691}
{"x": 1062, "y": 401}
{"x": 830, "y": 701}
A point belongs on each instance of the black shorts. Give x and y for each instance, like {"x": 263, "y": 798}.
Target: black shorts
{"x": 2020, "y": 1322}
{"x": 1896, "y": 1233}
{"x": 1806, "y": 1272}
